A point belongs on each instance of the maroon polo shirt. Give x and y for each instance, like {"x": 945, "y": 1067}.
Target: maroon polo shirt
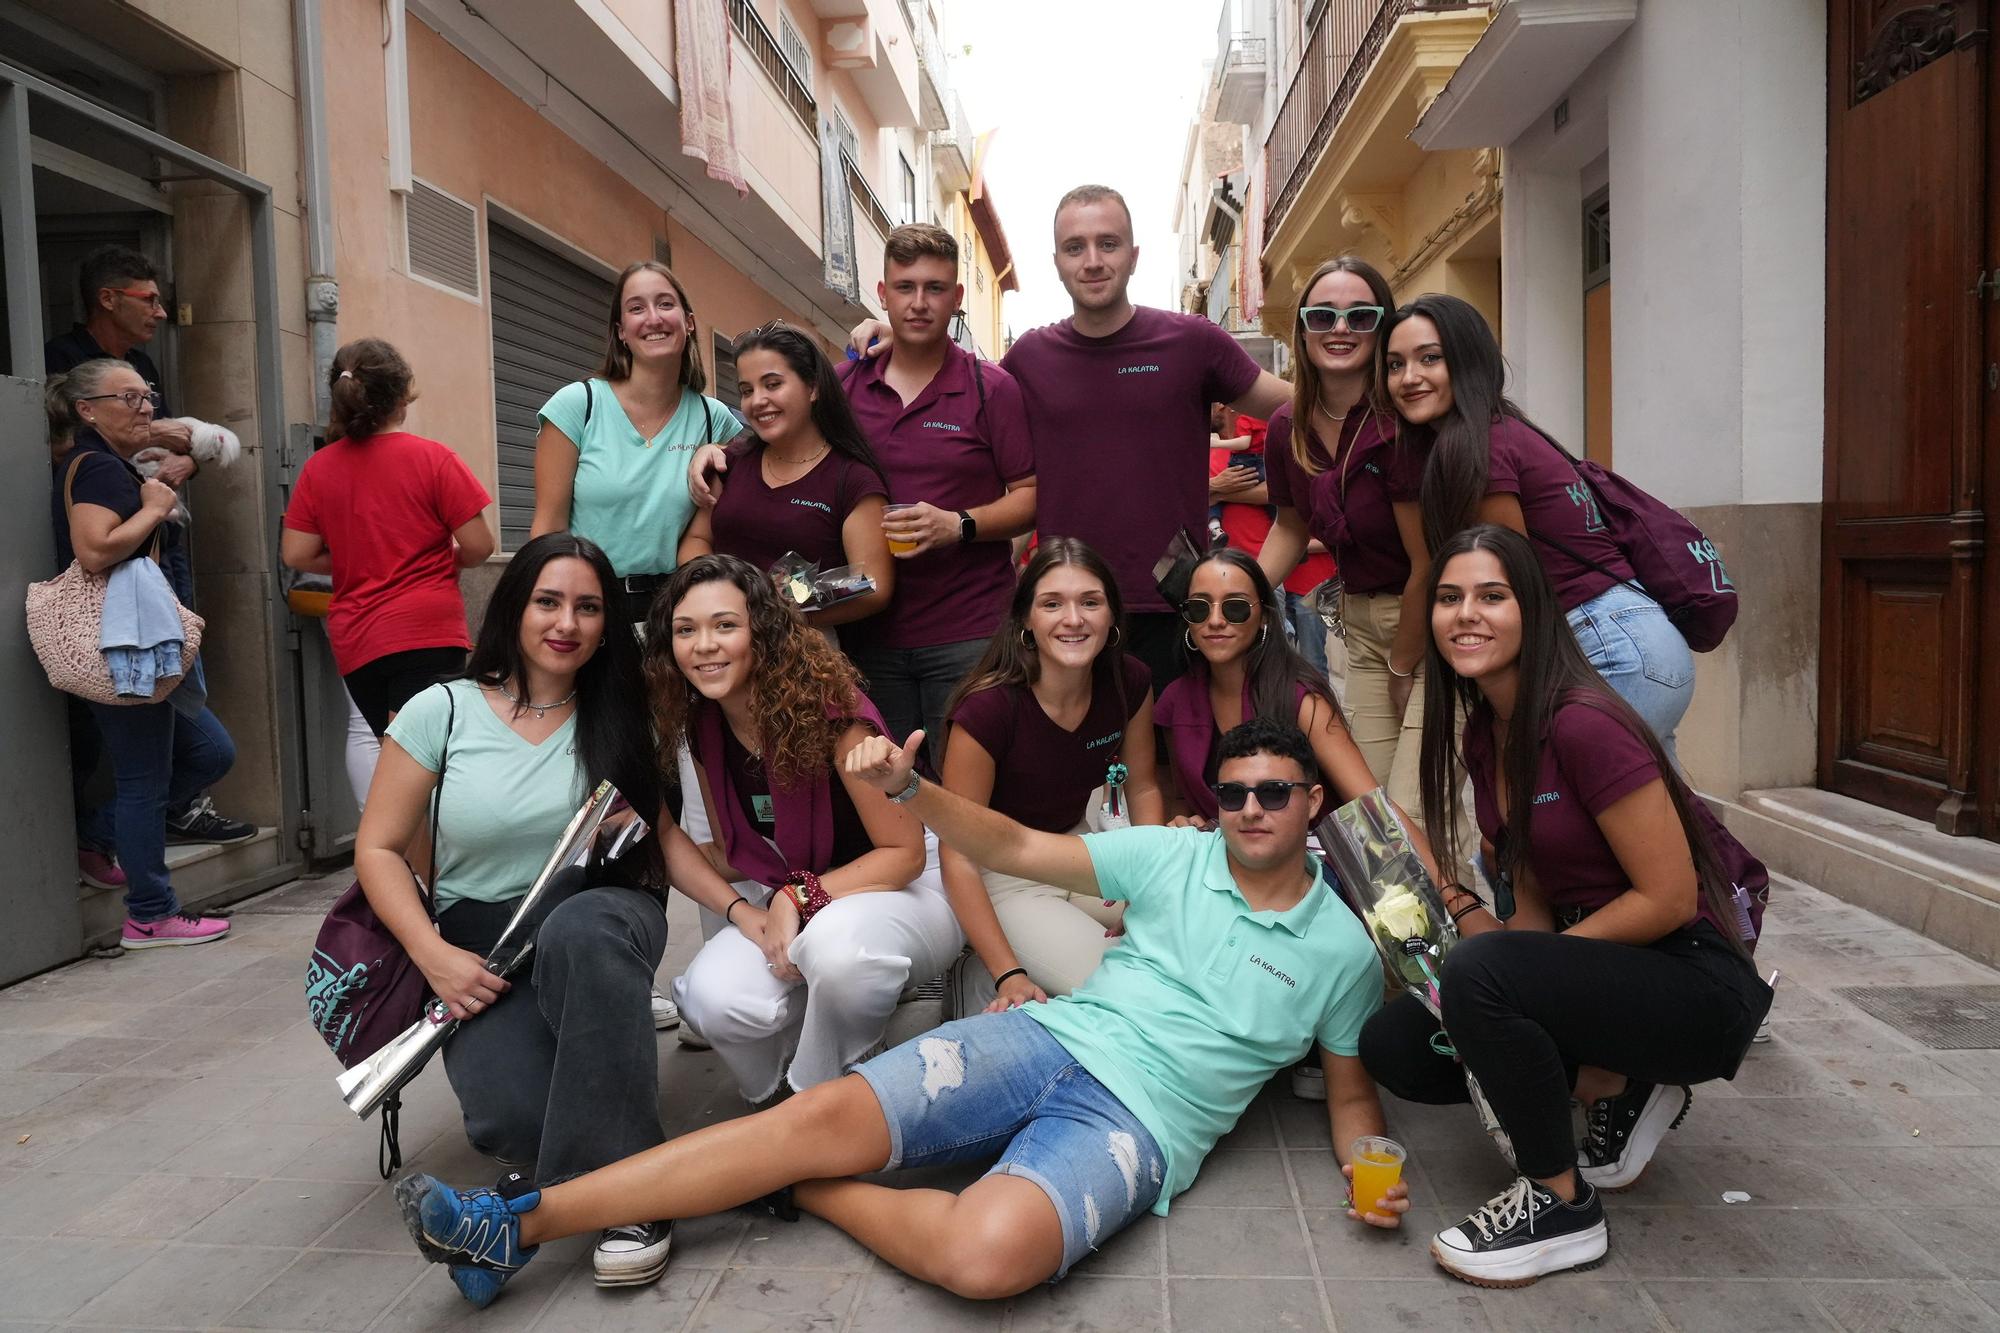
{"x": 1042, "y": 774}
{"x": 943, "y": 448}
{"x": 1590, "y": 761}
{"x": 1121, "y": 434}
{"x": 760, "y": 523}
{"x": 1350, "y": 509}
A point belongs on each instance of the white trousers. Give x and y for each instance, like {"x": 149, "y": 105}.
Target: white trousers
{"x": 857, "y": 955}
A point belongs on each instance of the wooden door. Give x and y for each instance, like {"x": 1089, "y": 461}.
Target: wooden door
{"x": 1904, "y": 577}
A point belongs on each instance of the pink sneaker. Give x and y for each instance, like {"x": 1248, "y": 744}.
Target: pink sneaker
{"x": 98, "y": 870}
{"x": 180, "y": 928}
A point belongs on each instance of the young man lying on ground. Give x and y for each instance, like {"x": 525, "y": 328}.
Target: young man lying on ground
{"x": 1237, "y": 957}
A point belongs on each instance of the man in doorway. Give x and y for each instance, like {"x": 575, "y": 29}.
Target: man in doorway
{"x": 120, "y": 291}
{"x": 1118, "y": 402}
{"x": 1100, "y": 1105}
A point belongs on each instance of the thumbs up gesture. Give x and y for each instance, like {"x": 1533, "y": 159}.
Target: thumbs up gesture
{"x": 884, "y": 765}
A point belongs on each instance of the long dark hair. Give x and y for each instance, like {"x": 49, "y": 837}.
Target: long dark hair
{"x": 1011, "y": 658}
{"x": 1455, "y": 474}
{"x": 1275, "y": 668}
{"x": 830, "y": 412}
{"x": 1552, "y": 672}
{"x": 1305, "y": 379}
{"x": 803, "y": 691}
{"x": 611, "y": 735}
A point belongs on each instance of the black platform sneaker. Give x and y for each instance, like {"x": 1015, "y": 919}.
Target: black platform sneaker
{"x": 1620, "y": 1134}
{"x": 1523, "y": 1233}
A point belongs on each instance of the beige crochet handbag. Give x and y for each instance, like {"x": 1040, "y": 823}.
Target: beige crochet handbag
{"x": 66, "y": 618}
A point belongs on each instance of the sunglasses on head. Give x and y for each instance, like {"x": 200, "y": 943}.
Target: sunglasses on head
{"x": 1272, "y": 794}
{"x": 1323, "y": 318}
{"x": 1235, "y": 610}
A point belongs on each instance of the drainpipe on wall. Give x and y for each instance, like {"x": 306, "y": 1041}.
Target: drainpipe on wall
{"x": 322, "y": 289}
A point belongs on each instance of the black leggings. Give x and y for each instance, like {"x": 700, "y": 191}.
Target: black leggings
{"x": 1527, "y": 1008}
{"x": 383, "y": 686}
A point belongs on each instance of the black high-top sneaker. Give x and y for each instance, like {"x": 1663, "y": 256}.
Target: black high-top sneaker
{"x": 1521, "y": 1234}
{"x": 1620, "y": 1134}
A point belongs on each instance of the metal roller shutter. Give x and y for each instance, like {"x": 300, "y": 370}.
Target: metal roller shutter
{"x": 548, "y": 329}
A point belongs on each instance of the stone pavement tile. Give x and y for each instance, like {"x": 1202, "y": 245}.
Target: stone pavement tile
{"x": 206, "y": 1100}
{"x": 1302, "y": 1125}
{"x": 1990, "y": 1293}
{"x": 433, "y": 1305}
{"x": 1936, "y": 1307}
{"x": 1783, "y": 1122}
{"x": 20, "y": 1049}
{"x": 1397, "y": 1307}
{"x": 1236, "y": 1242}
{"x": 348, "y": 1153}
{"x": 261, "y": 1022}
{"x": 1350, "y": 1250}
{"x": 707, "y": 1242}
{"x": 1699, "y": 1306}
{"x": 191, "y": 1288}
{"x": 1775, "y": 1070}
{"x": 50, "y": 1279}
{"x": 1964, "y": 1240}
{"x": 763, "y": 1298}
{"x": 892, "y": 1302}
{"x": 1825, "y": 1243}
{"x": 807, "y": 1244}
{"x": 314, "y": 1101}
{"x": 278, "y": 1212}
{"x": 1466, "y": 1175}
{"x": 24, "y": 1090}
{"x": 329, "y": 1291}
{"x": 1942, "y": 1121}
{"x": 1789, "y": 1177}
{"x": 1322, "y": 1186}
{"x": 1674, "y": 1242}
{"x": 1241, "y": 1179}
{"x": 1222, "y": 1302}
{"x": 1138, "y": 1250}
{"x": 244, "y": 1150}
{"x": 1913, "y": 1075}
{"x": 94, "y": 1055}
{"x": 1571, "y": 1300}
{"x": 155, "y": 1208}
{"x": 1090, "y": 1305}
{"x": 374, "y": 1228}
{"x": 580, "y": 1306}
{"x": 1255, "y": 1129}
{"x": 193, "y": 1055}
{"x": 1916, "y": 1172}
{"x": 1417, "y": 1126}
{"x": 1846, "y": 1035}
{"x": 39, "y": 1202}
{"x": 1797, "y": 1002}
{"x": 75, "y": 1018}
{"x": 289, "y": 1056}
{"x": 131, "y": 1147}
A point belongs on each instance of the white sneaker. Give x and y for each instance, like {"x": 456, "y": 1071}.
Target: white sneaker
{"x": 666, "y": 1014}
{"x": 1309, "y": 1081}
{"x": 632, "y": 1256}
{"x": 1763, "y": 1031}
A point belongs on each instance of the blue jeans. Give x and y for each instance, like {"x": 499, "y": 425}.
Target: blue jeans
{"x": 161, "y": 759}
{"x": 912, "y": 685}
{"x": 1640, "y": 654}
{"x": 999, "y": 1083}
{"x": 1308, "y": 631}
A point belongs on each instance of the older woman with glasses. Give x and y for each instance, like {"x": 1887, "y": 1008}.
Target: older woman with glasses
{"x": 104, "y": 514}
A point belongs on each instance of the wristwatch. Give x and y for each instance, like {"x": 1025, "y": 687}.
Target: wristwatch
{"x": 967, "y": 529}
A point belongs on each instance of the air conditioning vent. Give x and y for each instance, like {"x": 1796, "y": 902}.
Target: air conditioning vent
{"x": 443, "y": 237}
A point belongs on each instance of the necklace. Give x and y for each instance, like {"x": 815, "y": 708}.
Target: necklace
{"x": 778, "y": 459}
{"x": 539, "y": 710}
{"x": 1320, "y": 403}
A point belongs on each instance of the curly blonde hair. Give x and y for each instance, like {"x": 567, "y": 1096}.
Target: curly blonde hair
{"x": 803, "y": 692}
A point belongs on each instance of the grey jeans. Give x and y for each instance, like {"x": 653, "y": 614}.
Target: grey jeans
{"x": 912, "y": 685}
{"x": 563, "y": 1072}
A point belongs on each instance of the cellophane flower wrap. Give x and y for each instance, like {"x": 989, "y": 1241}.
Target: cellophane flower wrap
{"x": 1379, "y": 870}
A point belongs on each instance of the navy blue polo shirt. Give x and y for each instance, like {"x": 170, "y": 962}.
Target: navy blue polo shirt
{"x": 102, "y": 478}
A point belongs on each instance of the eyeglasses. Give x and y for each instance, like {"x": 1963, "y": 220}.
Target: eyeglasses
{"x": 1235, "y": 610}
{"x": 1323, "y": 318}
{"x": 1272, "y": 795}
{"x": 132, "y": 398}
{"x": 144, "y": 296}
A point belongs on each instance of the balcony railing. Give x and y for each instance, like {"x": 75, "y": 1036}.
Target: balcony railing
{"x": 764, "y": 50}
{"x": 1346, "y": 37}
{"x": 864, "y": 196}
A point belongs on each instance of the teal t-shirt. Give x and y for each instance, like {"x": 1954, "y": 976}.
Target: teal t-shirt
{"x": 505, "y": 802}
{"x": 1205, "y": 999}
{"x": 631, "y": 494}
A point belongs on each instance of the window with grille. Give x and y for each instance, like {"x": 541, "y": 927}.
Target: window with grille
{"x": 909, "y": 189}
{"x": 722, "y": 384}
{"x": 844, "y": 131}
{"x": 797, "y": 54}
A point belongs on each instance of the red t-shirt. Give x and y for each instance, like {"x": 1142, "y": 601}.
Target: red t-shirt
{"x": 1249, "y": 524}
{"x": 386, "y": 507}
{"x": 1121, "y": 433}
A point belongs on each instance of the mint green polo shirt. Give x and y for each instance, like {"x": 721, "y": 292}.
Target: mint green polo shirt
{"x": 631, "y": 495}
{"x": 1190, "y": 1015}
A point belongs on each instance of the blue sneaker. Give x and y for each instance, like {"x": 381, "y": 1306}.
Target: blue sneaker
{"x": 478, "y": 1228}
{"x": 481, "y": 1286}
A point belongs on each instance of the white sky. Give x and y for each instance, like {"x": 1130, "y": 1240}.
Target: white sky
{"x": 1097, "y": 91}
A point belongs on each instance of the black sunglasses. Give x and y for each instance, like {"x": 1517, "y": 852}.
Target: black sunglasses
{"x": 1235, "y": 610}
{"x": 1271, "y": 794}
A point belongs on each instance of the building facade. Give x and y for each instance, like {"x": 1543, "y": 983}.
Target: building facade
{"x": 465, "y": 181}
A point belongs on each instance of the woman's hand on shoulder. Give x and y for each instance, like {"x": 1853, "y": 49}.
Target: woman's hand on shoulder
{"x": 1189, "y": 821}
{"x": 705, "y": 471}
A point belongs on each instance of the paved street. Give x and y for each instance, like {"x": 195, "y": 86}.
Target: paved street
{"x": 173, "y": 1155}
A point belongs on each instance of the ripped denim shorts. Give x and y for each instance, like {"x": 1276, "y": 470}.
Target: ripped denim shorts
{"x": 999, "y": 1083}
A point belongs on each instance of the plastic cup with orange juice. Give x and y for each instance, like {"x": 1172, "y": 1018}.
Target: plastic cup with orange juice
{"x": 1378, "y": 1165}
{"x": 897, "y": 547}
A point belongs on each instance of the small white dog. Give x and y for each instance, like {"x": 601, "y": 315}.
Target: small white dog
{"x": 212, "y": 444}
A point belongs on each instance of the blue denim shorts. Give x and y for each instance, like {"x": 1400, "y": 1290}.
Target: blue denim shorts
{"x": 999, "y": 1083}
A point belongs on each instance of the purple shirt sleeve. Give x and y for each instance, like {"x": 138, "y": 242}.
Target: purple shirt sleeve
{"x": 1602, "y": 761}
{"x": 1278, "y": 461}
{"x": 1231, "y": 372}
{"x": 1503, "y": 461}
{"x": 1007, "y": 428}
{"x": 988, "y": 717}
